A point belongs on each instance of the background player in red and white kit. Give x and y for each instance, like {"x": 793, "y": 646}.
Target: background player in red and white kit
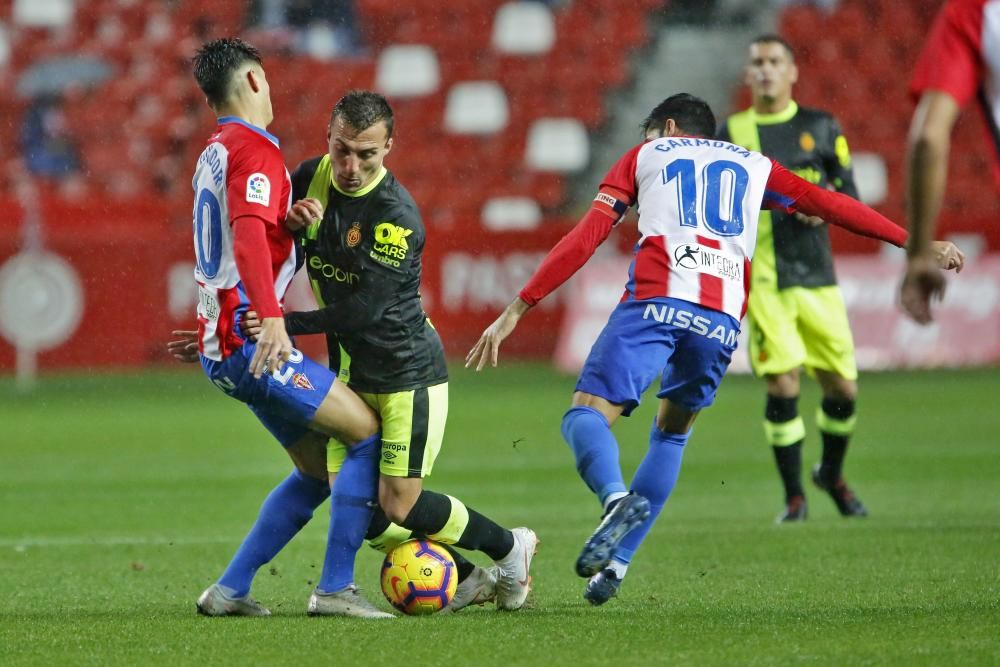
{"x": 245, "y": 260}
{"x": 960, "y": 61}
{"x": 698, "y": 201}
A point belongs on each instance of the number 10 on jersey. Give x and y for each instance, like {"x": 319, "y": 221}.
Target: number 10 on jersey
{"x": 723, "y": 186}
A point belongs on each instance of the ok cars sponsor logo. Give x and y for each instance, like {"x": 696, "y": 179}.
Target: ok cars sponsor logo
{"x": 390, "y": 245}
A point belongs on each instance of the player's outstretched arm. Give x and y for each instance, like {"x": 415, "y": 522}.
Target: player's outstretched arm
{"x": 565, "y": 259}
{"x": 487, "y": 348}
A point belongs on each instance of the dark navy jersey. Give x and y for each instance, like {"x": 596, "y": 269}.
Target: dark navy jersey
{"x": 809, "y": 143}
{"x": 363, "y": 260}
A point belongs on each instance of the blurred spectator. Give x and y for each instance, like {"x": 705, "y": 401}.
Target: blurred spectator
{"x": 48, "y": 149}
{"x": 321, "y": 29}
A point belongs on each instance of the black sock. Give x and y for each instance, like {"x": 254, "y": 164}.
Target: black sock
{"x": 462, "y": 564}
{"x": 487, "y": 536}
{"x": 429, "y": 514}
{"x": 432, "y": 516}
{"x": 838, "y": 411}
{"x": 785, "y": 431}
{"x": 378, "y": 524}
{"x": 789, "y": 460}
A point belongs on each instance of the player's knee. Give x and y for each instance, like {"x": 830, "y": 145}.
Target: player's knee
{"x": 784, "y": 385}
{"x": 395, "y": 505}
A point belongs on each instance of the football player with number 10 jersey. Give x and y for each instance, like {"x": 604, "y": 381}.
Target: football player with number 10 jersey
{"x": 698, "y": 200}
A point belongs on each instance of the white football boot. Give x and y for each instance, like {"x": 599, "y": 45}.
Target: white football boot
{"x": 347, "y": 602}
{"x": 213, "y": 602}
{"x": 479, "y": 588}
{"x": 513, "y": 580}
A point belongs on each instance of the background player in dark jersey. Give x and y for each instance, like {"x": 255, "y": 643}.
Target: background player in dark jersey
{"x": 363, "y": 237}
{"x": 796, "y": 314}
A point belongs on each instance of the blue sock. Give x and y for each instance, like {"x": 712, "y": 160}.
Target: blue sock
{"x": 587, "y": 432}
{"x": 654, "y": 480}
{"x": 355, "y": 492}
{"x": 285, "y": 510}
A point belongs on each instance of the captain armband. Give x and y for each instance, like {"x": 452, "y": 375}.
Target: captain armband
{"x": 618, "y": 206}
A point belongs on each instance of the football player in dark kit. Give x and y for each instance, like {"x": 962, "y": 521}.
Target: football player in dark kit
{"x": 363, "y": 237}
{"x": 796, "y": 313}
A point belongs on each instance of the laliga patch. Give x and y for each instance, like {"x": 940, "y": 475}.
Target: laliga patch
{"x": 258, "y": 189}
{"x": 302, "y": 382}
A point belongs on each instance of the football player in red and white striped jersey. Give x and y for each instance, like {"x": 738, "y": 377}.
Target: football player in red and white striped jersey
{"x": 698, "y": 200}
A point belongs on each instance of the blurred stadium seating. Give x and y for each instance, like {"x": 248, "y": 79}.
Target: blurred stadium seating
{"x": 140, "y": 131}
{"x": 856, "y": 62}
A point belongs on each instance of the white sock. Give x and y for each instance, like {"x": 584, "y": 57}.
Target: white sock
{"x": 618, "y": 567}
{"x": 612, "y": 497}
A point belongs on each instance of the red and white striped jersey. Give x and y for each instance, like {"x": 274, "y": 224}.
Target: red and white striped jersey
{"x": 240, "y": 173}
{"x": 698, "y": 203}
{"x": 699, "y": 200}
{"x": 962, "y": 58}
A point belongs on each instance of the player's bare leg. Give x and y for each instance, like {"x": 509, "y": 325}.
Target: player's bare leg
{"x": 653, "y": 482}
{"x": 446, "y": 519}
{"x": 836, "y": 421}
{"x": 785, "y": 432}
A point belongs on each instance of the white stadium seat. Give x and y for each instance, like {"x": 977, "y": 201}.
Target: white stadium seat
{"x": 557, "y": 144}
{"x": 524, "y": 28}
{"x": 871, "y": 177}
{"x": 511, "y": 213}
{"x": 476, "y": 107}
{"x": 407, "y": 70}
{"x": 43, "y": 13}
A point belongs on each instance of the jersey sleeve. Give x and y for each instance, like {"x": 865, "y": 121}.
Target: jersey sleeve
{"x": 836, "y": 157}
{"x": 621, "y": 176}
{"x": 787, "y": 192}
{"x": 950, "y": 61}
{"x": 255, "y": 184}
{"x": 397, "y": 243}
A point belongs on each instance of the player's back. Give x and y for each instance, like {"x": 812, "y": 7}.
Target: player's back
{"x": 240, "y": 173}
{"x": 698, "y": 202}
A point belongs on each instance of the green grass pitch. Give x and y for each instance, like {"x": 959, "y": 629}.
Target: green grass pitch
{"x": 123, "y": 496}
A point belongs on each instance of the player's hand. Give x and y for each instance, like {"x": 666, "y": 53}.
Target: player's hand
{"x": 947, "y": 255}
{"x": 809, "y": 220}
{"x": 488, "y": 346}
{"x": 922, "y": 282}
{"x": 185, "y": 348}
{"x": 250, "y": 325}
{"x": 273, "y": 347}
{"x": 303, "y": 213}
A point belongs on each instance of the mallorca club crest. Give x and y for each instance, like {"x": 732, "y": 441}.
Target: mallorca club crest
{"x": 354, "y": 235}
{"x": 302, "y": 382}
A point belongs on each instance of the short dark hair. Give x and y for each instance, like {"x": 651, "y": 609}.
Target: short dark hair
{"x": 363, "y": 108}
{"x": 772, "y": 38}
{"x": 215, "y": 63}
{"x": 692, "y": 115}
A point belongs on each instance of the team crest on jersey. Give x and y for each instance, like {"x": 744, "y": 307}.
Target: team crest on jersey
{"x": 302, "y": 382}
{"x": 354, "y": 235}
{"x": 258, "y": 189}
{"x": 807, "y": 142}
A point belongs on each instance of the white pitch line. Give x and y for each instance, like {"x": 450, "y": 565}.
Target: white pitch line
{"x": 20, "y": 544}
